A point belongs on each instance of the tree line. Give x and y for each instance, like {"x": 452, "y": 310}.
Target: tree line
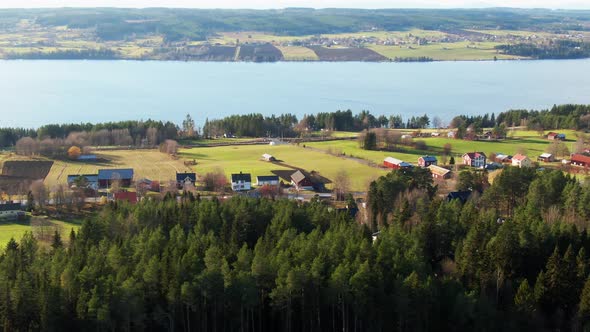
{"x": 512, "y": 258}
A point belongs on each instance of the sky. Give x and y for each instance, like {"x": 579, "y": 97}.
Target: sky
{"x": 265, "y": 4}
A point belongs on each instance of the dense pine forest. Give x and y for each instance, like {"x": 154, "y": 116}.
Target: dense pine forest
{"x": 512, "y": 258}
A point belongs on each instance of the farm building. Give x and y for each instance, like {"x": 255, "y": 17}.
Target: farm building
{"x": 147, "y": 184}
{"x": 580, "y": 160}
{"x": 452, "y": 134}
{"x": 301, "y": 182}
{"x": 426, "y": 161}
{"x": 546, "y": 157}
{"x": 89, "y": 181}
{"x": 555, "y": 136}
{"x": 393, "y": 163}
{"x": 520, "y": 160}
{"x": 474, "y": 159}
{"x": 106, "y": 177}
{"x": 241, "y": 182}
{"x": 183, "y": 179}
{"x": 126, "y": 196}
{"x": 267, "y": 180}
{"x": 439, "y": 172}
{"x": 503, "y": 158}
{"x": 268, "y": 157}
{"x": 11, "y": 211}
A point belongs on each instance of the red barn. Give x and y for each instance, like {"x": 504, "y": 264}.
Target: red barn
{"x": 393, "y": 163}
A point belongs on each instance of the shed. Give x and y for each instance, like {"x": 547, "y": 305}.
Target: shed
{"x": 300, "y": 181}
{"x": 268, "y": 157}
{"x": 439, "y": 172}
{"x": 546, "y": 157}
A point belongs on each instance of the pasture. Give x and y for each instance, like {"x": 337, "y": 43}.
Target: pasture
{"x": 150, "y": 164}
{"x": 528, "y": 142}
{"x": 459, "y": 51}
{"x": 247, "y": 159}
{"x": 43, "y": 230}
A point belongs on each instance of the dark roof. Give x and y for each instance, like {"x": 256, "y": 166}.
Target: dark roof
{"x": 245, "y": 177}
{"x": 181, "y": 177}
{"x": 10, "y": 207}
{"x": 107, "y": 174}
{"x": 267, "y": 178}
{"x": 463, "y": 196}
{"x": 429, "y": 158}
{"x": 89, "y": 177}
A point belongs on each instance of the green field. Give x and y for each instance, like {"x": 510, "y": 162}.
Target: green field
{"x": 13, "y": 229}
{"x": 150, "y": 164}
{"x": 247, "y": 159}
{"x": 526, "y": 141}
{"x": 298, "y": 53}
{"x": 444, "y": 51}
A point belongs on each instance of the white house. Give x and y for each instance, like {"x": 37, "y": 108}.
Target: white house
{"x": 474, "y": 159}
{"x": 520, "y": 160}
{"x": 268, "y": 180}
{"x": 241, "y": 182}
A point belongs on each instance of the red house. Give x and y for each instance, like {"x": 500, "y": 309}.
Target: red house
{"x": 426, "y": 161}
{"x": 126, "y": 196}
{"x": 580, "y": 160}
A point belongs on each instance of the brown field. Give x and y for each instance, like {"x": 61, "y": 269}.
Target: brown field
{"x": 149, "y": 164}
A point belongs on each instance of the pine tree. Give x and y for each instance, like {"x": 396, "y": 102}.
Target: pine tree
{"x": 56, "y": 243}
{"x": 525, "y": 298}
{"x": 584, "y": 306}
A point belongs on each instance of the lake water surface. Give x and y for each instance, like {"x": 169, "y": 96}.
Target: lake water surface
{"x": 34, "y": 93}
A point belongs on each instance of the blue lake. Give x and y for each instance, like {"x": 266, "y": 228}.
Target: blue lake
{"x": 34, "y": 93}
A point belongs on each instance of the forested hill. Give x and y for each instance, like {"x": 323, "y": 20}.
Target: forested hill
{"x": 293, "y": 34}
{"x": 513, "y": 259}
{"x": 197, "y": 24}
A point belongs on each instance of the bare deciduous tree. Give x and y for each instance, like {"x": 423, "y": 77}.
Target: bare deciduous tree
{"x": 341, "y": 185}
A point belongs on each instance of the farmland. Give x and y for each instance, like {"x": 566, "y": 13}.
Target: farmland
{"x": 16, "y": 229}
{"x": 528, "y": 142}
{"x": 235, "y": 159}
{"x": 146, "y": 163}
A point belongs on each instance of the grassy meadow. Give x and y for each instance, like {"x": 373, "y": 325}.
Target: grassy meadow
{"x": 459, "y": 51}
{"x": 16, "y": 229}
{"x": 247, "y": 159}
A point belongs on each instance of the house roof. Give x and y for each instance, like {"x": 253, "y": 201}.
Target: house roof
{"x": 87, "y": 157}
{"x": 551, "y": 134}
{"x": 580, "y": 158}
{"x": 428, "y": 158}
{"x": 297, "y": 177}
{"x": 181, "y": 177}
{"x": 519, "y": 157}
{"x": 265, "y": 178}
{"x": 89, "y": 177}
{"x": 473, "y": 155}
{"x": 244, "y": 177}
{"x": 110, "y": 174}
{"x": 438, "y": 170}
{"x": 546, "y": 155}
{"x": 10, "y": 207}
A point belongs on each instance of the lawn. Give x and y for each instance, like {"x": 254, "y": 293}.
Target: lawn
{"x": 150, "y": 164}
{"x": 528, "y": 142}
{"x": 247, "y": 159}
